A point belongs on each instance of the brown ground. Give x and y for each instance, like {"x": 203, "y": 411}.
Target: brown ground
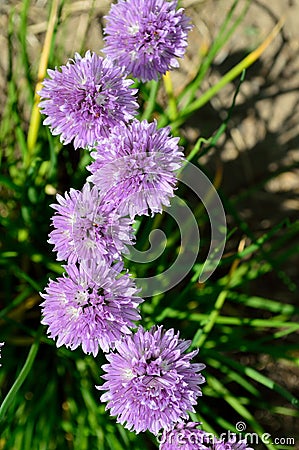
{"x": 263, "y": 133}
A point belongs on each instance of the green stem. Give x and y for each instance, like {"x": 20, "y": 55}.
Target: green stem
{"x": 150, "y": 107}
{"x": 21, "y": 378}
{"x": 212, "y": 141}
{"x": 228, "y": 77}
{"x": 198, "y": 342}
{"x": 35, "y": 118}
{"x": 172, "y": 104}
{"x": 221, "y": 39}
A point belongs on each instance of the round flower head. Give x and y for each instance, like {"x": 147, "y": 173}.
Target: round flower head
{"x": 85, "y": 98}
{"x": 187, "y": 436}
{"x": 151, "y": 383}
{"x": 90, "y": 309}
{"x": 86, "y": 228}
{"x": 146, "y": 36}
{"x": 135, "y": 166}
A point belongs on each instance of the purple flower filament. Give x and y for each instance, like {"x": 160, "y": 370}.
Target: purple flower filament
{"x": 146, "y": 36}
{"x": 150, "y": 381}
{"x": 135, "y": 166}
{"x": 85, "y": 98}
{"x": 92, "y": 309}
{"x": 87, "y": 228}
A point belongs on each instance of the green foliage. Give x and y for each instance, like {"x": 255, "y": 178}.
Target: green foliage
{"x": 48, "y": 395}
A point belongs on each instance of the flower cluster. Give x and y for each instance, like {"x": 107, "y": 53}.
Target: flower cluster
{"x": 136, "y": 167}
{"x": 88, "y": 228}
{"x": 150, "y": 381}
{"x": 146, "y": 36}
{"x": 91, "y": 103}
{"x": 90, "y": 306}
{"x": 86, "y": 98}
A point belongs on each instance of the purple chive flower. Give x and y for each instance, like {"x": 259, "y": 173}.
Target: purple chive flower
{"x": 187, "y": 436}
{"x": 135, "y": 167}
{"x": 86, "y": 228}
{"x": 146, "y": 36}
{"x": 93, "y": 309}
{"x": 85, "y": 98}
{"x": 151, "y": 383}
